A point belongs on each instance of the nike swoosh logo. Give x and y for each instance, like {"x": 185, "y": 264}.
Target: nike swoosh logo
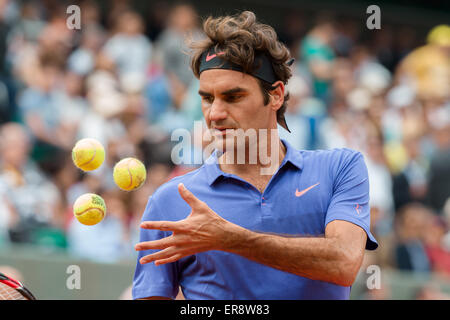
{"x": 210, "y": 57}
{"x": 300, "y": 193}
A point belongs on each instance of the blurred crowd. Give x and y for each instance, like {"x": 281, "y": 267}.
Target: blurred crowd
{"x": 124, "y": 79}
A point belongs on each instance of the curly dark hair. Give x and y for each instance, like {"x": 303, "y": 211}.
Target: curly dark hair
{"x": 240, "y": 37}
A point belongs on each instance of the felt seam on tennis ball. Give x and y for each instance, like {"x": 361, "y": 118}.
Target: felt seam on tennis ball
{"x": 89, "y": 209}
{"x": 88, "y": 154}
{"x": 129, "y": 174}
{"x": 76, "y": 151}
{"x": 93, "y": 156}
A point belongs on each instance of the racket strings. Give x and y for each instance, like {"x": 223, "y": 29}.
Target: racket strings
{"x": 8, "y": 293}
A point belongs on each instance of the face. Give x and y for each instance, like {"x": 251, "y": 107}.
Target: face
{"x": 15, "y": 147}
{"x": 233, "y": 100}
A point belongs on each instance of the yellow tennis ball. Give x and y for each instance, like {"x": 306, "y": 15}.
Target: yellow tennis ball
{"x": 88, "y": 154}
{"x": 89, "y": 209}
{"x": 129, "y": 174}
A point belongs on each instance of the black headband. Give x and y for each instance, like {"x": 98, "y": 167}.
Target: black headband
{"x": 262, "y": 68}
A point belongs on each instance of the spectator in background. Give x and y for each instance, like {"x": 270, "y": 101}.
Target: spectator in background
{"x": 40, "y": 67}
{"x": 82, "y": 60}
{"x": 348, "y": 33}
{"x": 88, "y": 41}
{"x": 156, "y": 19}
{"x": 128, "y": 48}
{"x": 182, "y": 25}
{"x": 381, "y": 200}
{"x": 439, "y": 171}
{"x": 317, "y": 53}
{"x": 106, "y": 102}
{"x": 298, "y": 92}
{"x": 292, "y": 30}
{"x": 343, "y": 82}
{"x": 32, "y": 200}
{"x": 88, "y": 183}
{"x": 406, "y": 41}
{"x": 405, "y": 133}
{"x": 71, "y": 104}
{"x": 446, "y": 217}
{"x": 90, "y": 19}
{"x": 383, "y": 46}
{"x": 303, "y": 115}
{"x": 46, "y": 119}
{"x": 410, "y": 185}
{"x": 410, "y": 253}
{"x": 368, "y": 72}
{"x": 175, "y": 101}
{"x": 37, "y": 108}
{"x": 437, "y": 252}
{"x": 7, "y": 86}
{"x": 427, "y": 68}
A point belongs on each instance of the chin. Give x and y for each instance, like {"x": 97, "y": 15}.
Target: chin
{"x": 236, "y": 148}
{"x": 223, "y": 143}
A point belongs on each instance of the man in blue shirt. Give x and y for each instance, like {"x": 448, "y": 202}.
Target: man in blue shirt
{"x": 227, "y": 231}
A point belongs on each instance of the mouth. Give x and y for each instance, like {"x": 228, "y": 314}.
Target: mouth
{"x": 221, "y": 131}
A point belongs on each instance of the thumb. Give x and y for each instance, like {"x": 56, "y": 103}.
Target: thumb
{"x": 187, "y": 196}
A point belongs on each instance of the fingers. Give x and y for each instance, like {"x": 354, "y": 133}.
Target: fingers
{"x": 173, "y": 258}
{"x": 160, "y": 254}
{"x": 155, "y": 244}
{"x": 170, "y": 254}
{"x": 160, "y": 225}
{"x": 187, "y": 196}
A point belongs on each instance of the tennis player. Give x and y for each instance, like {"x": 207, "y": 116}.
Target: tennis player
{"x": 229, "y": 231}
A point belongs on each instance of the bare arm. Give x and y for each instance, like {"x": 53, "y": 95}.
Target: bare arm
{"x": 334, "y": 258}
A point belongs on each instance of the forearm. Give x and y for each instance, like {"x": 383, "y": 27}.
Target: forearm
{"x": 336, "y": 257}
{"x": 317, "y": 258}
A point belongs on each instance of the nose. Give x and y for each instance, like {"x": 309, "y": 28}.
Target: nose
{"x": 217, "y": 111}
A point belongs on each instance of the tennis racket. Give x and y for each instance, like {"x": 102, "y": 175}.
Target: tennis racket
{"x": 11, "y": 289}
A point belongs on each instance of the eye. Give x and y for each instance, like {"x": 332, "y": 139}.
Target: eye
{"x": 233, "y": 98}
{"x": 207, "y": 99}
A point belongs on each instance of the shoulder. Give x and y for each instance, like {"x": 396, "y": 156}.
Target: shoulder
{"x": 337, "y": 163}
{"x": 335, "y": 156}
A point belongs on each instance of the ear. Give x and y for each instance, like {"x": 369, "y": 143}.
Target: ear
{"x": 277, "y": 95}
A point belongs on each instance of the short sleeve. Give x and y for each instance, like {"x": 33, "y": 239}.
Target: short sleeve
{"x": 150, "y": 280}
{"x": 350, "y": 199}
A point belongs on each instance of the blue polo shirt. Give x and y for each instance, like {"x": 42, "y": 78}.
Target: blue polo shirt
{"x": 309, "y": 190}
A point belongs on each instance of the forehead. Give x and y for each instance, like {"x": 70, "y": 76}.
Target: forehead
{"x": 223, "y": 79}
